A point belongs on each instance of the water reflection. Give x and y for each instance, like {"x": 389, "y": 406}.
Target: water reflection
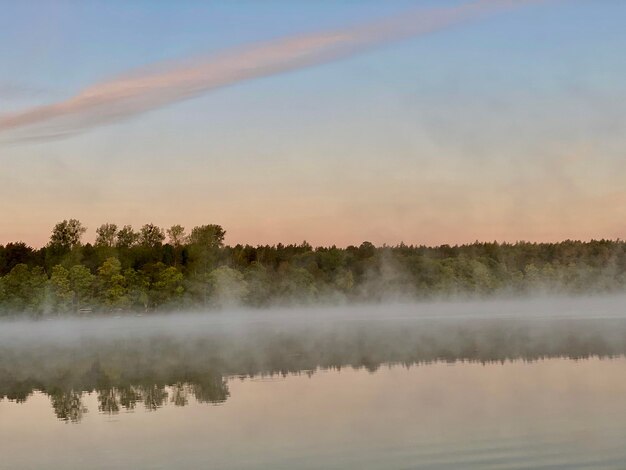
{"x": 158, "y": 369}
{"x": 68, "y": 406}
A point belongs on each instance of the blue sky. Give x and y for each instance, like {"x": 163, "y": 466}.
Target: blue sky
{"x": 506, "y": 128}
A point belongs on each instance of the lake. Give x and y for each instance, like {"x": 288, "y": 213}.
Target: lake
{"x": 499, "y": 385}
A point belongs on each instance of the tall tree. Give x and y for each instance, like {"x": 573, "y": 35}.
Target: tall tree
{"x": 13, "y": 254}
{"x": 205, "y": 242}
{"x": 61, "y": 294}
{"x": 106, "y": 235}
{"x": 151, "y": 236}
{"x": 126, "y": 237}
{"x": 176, "y": 235}
{"x": 167, "y": 285}
{"x": 112, "y": 284}
{"x": 209, "y": 236}
{"x": 67, "y": 234}
{"x": 229, "y": 288}
{"x": 82, "y": 284}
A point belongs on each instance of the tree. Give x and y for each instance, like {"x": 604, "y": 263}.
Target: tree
{"x": 67, "y": 234}
{"x": 176, "y": 234}
{"x": 106, "y": 235}
{"x": 205, "y": 241}
{"x": 24, "y": 289}
{"x": 151, "y": 236}
{"x": 81, "y": 283}
{"x": 259, "y": 282}
{"x": 68, "y": 405}
{"x": 295, "y": 285}
{"x": 344, "y": 280}
{"x": 111, "y": 284}
{"x": 167, "y": 285}
{"x": 37, "y": 290}
{"x": 228, "y": 287}
{"x": 13, "y": 254}
{"x": 61, "y": 294}
{"x": 126, "y": 237}
{"x": 208, "y": 236}
{"x": 16, "y": 288}
{"x": 137, "y": 285}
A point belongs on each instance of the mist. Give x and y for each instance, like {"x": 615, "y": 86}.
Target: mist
{"x": 68, "y": 356}
{"x": 166, "y": 83}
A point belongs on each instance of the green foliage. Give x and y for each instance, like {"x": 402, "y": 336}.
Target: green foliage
{"x": 82, "y": 285}
{"x": 126, "y": 237}
{"x": 208, "y": 236}
{"x": 228, "y": 287}
{"x": 106, "y": 235}
{"x": 138, "y": 286}
{"x": 166, "y": 287}
{"x": 176, "y": 234}
{"x": 151, "y": 236}
{"x": 16, "y": 288}
{"x": 295, "y": 285}
{"x": 61, "y": 293}
{"x": 67, "y": 234}
{"x": 111, "y": 284}
{"x": 129, "y": 271}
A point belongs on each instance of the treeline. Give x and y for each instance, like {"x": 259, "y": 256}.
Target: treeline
{"x": 156, "y": 269}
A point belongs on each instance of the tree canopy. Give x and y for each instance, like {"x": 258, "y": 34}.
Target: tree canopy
{"x": 127, "y": 270}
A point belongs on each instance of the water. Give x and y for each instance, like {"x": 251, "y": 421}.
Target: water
{"x": 287, "y": 391}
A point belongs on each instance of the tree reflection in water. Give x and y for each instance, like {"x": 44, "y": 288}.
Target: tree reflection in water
{"x": 68, "y": 405}
{"x": 155, "y": 370}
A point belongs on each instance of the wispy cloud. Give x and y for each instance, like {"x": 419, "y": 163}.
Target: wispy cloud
{"x": 163, "y": 84}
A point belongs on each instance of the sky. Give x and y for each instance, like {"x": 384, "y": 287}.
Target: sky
{"x": 506, "y": 127}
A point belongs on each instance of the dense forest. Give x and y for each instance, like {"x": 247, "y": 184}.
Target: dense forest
{"x": 156, "y": 269}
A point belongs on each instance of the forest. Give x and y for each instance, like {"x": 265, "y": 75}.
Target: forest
{"x": 156, "y": 269}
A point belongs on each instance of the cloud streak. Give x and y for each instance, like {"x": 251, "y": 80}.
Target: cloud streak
{"x": 168, "y": 83}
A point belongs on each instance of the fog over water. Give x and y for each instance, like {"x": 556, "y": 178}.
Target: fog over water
{"x": 181, "y": 325}
{"x": 535, "y": 383}
{"x": 74, "y": 355}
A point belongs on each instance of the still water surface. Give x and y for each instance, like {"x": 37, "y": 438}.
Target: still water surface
{"x": 555, "y": 413}
{"x": 412, "y": 394}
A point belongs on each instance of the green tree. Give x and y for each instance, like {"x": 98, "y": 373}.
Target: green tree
{"x": 106, "y": 235}
{"x": 126, "y": 237}
{"x": 111, "y": 284}
{"x": 16, "y": 288}
{"x": 36, "y": 285}
{"x": 151, "y": 236}
{"x": 208, "y": 236}
{"x": 82, "y": 284}
{"x": 344, "y": 280}
{"x": 167, "y": 286}
{"x": 176, "y": 235}
{"x": 67, "y": 234}
{"x": 259, "y": 281}
{"x": 295, "y": 285}
{"x": 228, "y": 287}
{"x": 61, "y": 293}
{"x": 204, "y": 245}
{"x": 138, "y": 286}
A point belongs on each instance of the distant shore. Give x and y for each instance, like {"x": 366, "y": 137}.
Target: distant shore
{"x": 161, "y": 270}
